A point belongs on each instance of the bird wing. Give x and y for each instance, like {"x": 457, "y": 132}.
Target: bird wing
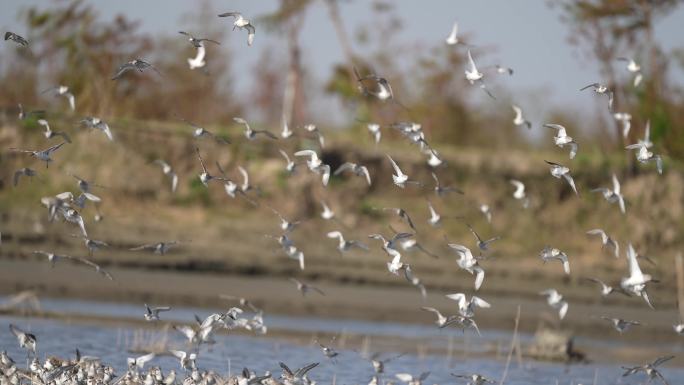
{"x": 471, "y": 62}
{"x": 303, "y": 370}
{"x": 344, "y": 167}
{"x": 334, "y": 234}
{"x": 589, "y": 86}
{"x": 395, "y": 166}
{"x": 479, "y": 302}
{"x": 53, "y": 148}
{"x": 405, "y": 377}
{"x": 250, "y": 34}
{"x": 310, "y": 153}
{"x": 571, "y": 182}
{"x": 142, "y": 360}
{"x": 432, "y": 310}
{"x": 233, "y": 14}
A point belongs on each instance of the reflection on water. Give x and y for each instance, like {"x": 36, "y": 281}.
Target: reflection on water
{"x": 233, "y": 352}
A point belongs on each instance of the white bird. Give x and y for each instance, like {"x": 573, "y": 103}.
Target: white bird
{"x": 469, "y": 263}
{"x": 634, "y": 68}
{"x": 198, "y": 61}
{"x": 613, "y": 195}
{"x": 160, "y": 248}
{"x": 92, "y": 122}
{"x": 626, "y": 120}
{"x": 285, "y": 133}
{"x": 316, "y": 165}
{"x": 42, "y": 155}
{"x": 49, "y": 134}
{"x": 486, "y": 211}
{"x": 519, "y": 192}
{"x": 519, "y": 120}
{"x": 251, "y": 133}
{"x": 63, "y": 91}
{"x": 637, "y": 280}
{"x": 135, "y": 64}
{"x": 286, "y": 225}
{"x": 442, "y": 321}
{"x": 601, "y": 90}
{"x": 473, "y": 75}
{"x": 399, "y": 178}
{"x": 605, "y": 289}
{"x": 327, "y": 213}
{"x": 562, "y": 139}
{"x": 435, "y": 219}
{"x": 389, "y": 246}
{"x": 139, "y": 362}
{"x": 452, "y": 39}
{"x": 345, "y": 245}
{"x": 374, "y": 130}
{"x": 466, "y": 308}
{"x": 555, "y": 300}
{"x": 152, "y": 313}
{"x": 240, "y": 22}
{"x": 378, "y": 87}
{"x": 312, "y": 128}
{"x": 644, "y": 155}
{"x": 646, "y": 142}
{"x": 187, "y": 361}
{"x": 621, "y": 325}
{"x": 551, "y": 253}
{"x": 606, "y": 241}
{"x": 410, "y": 244}
{"x": 560, "y": 171}
{"x": 201, "y": 132}
{"x": 410, "y": 380}
{"x": 291, "y": 166}
{"x": 204, "y": 176}
{"x": 197, "y": 42}
{"x": 679, "y": 328}
{"x": 357, "y": 169}
{"x": 168, "y": 171}
{"x": 434, "y": 160}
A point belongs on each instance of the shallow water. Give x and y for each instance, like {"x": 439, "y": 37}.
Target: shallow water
{"x": 261, "y": 353}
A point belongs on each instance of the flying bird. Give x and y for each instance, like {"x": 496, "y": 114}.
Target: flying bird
{"x": 560, "y": 171}
{"x": 305, "y": 288}
{"x": 613, "y": 195}
{"x": 42, "y": 155}
{"x": 356, "y": 169}
{"x": 16, "y": 38}
{"x": 241, "y": 23}
{"x": 316, "y": 165}
{"x": 606, "y": 240}
{"x": 250, "y": 133}
{"x": 98, "y": 124}
{"x": 473, "y": 75}
{"x": 64, "y": 92}
{"x": 49, "y": 134}
{"x": 519, "y": 120}
{"x": 555, "y": 300}
{"x": 551, "y": 253}
{"x": 25, "y": 171}
{"x": 168, "y": 172}
{"x": 135, "y": 64}
{"x": 600, "y": 89}
{"x": 562, "y": 139}
{"x": 152, "y": 313}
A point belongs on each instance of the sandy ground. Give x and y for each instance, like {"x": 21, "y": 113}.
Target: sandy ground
{"x": 277, "y": 295}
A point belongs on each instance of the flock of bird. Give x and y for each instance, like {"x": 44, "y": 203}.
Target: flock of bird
{"x": 68, "y": 206}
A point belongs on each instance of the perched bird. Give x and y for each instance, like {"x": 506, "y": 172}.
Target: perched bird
{"x": 49, "y": 134}
{"x": 555, "y": 300}
{"x": 152, "y": 314}
{"x": 64, "y": 92}
{"x": 135, "y": 64}
{"x": 346, "y": 245}
{"x": 98, "y": 124}
{"x": 25, "y": 171}
{"x": 613, "y": 195}
{"x": 649, "y": 369}
{"x": 240, "y": 22}
{"x": 16, "y": 38}
{"x": 42, "y": 155}
{"x": 560, "y": 171}
{"x": 469, "y": 263}
{"x": 356, "y": 169}
{"x": 551, "y": 253}
{"x": 251, "y": 133}
{"x": 620, "y": 324}
{"x": 473, "y": 75}
{"x": 606, "y": 240}
{"x": 316, "y": 165}
{"x": 26, "y": 340}
{"x": 466, "y": 308}
{"x": 442, "y": 321}
{"x": 519, "y": 120}
{"x": 305, "y": 288}
{"x": 168, "y": 171}
{"x": 601, "y": 90}
{"x": 562, "y": 139}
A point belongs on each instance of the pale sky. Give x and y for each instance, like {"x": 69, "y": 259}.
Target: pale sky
{"x": 527, "y": 36}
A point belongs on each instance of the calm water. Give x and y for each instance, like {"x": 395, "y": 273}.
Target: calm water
{"x": 261, "y": 353}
